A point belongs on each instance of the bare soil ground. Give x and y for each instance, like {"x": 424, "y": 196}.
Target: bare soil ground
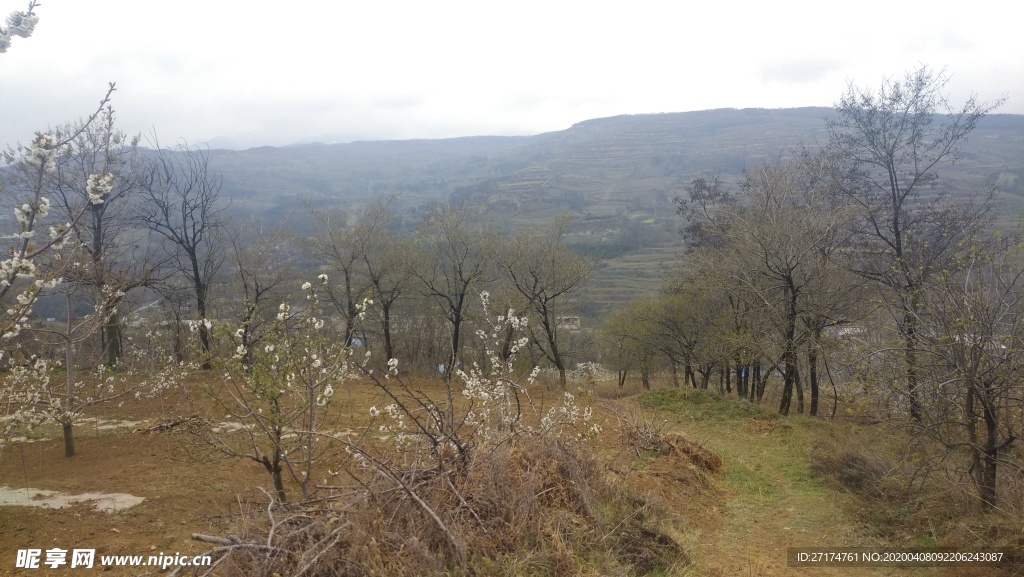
{"x": 740, "y": 487}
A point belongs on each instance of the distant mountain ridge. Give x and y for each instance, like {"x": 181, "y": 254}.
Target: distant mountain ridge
{"x": 595, "y": 162}
{"x": 618, "y": 174}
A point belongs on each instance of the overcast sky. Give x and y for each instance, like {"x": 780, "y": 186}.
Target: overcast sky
{"x": 252, "y": 72}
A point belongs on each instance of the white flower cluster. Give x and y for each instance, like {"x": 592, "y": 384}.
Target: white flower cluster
{"x": 42, "y": 151}
{"x": 494, "y": 392}
{"x": 98, "y": 187}
{"x": 362, "y": 307}
{"x": 585, "y": 371}
{"x": 18, "y": 24}
{"x": 16, "y": 267}
{"x": 26, "y": 214}
{"x": 194, "y": 325}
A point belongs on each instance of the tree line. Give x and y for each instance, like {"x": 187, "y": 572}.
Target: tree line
{"x": 850, "y": 266}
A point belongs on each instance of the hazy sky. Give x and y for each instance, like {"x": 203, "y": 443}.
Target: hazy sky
{"x": 256, "y": 72}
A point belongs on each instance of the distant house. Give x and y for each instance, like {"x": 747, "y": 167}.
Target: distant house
{"x": 568, "y": 323}
{"x": 846, "y": 331}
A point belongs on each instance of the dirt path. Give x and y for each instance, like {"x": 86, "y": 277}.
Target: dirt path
{"x": 773, "y": 502}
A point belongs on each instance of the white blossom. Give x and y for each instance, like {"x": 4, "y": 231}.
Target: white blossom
{"x": 42, "y": 151}
{"x": 98, "y": 186}
{"x": 21, "y": 24}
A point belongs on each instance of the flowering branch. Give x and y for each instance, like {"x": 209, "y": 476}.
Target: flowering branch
{"x": 18, "y": 24}
{"x": 19, "y": 271}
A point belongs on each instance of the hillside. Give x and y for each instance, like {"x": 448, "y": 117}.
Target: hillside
{"x": 618, "y": 174}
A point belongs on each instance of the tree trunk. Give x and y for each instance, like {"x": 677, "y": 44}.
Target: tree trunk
{"x": 812, "y": 372}
{"x": 799, "y": 392}
{"x": 389, "y": 349}
{"x": 910, "y": 353}
{"x": 277, "y": 474}
{"x": 69, "y": 440}
{"x": 759, "y": 383}
{"x": 986, "y": 476}
{"x": 751, "y": 375}
{"x": 204, "y": 334}
{"x": 69, "y": 396}
{"x": 705, "y": 376}
{"x": 454, "y": 357}
{"x": 789, "y": 353}
{"x": 110, "y": 337}
{"x": 178, "y": 343}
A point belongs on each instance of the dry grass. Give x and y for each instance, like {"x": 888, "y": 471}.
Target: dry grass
{"x": 910, "y": 495}
{"x": 535, "y": 506}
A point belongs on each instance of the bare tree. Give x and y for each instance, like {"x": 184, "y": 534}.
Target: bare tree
{"x": 386, "y": 265}
{"x": 259, "y": 272}
{"x": 779, "y": 248}
{"x": 974, "y": 342}
{"x": 546, "y": 273}
{"x": 353, "y": 251}
{"x": 183, "y": 206}
{"x": 453, "y": 265}
{"x": 895, "y": 141}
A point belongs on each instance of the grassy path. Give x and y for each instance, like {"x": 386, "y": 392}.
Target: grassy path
{"x": 773, "y": 499}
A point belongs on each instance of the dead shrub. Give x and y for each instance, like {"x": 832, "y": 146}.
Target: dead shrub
{"x": 699, "y": 455}
{"x": 532, "y": 506}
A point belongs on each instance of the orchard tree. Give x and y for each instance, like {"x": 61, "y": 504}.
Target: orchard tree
{"x": 35, "y": 234}
{"x": 279, "y": 392}
{"x": 895, "y": 141}
{"x": 121, "y": 257}
{"x": 626, "y": 335}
